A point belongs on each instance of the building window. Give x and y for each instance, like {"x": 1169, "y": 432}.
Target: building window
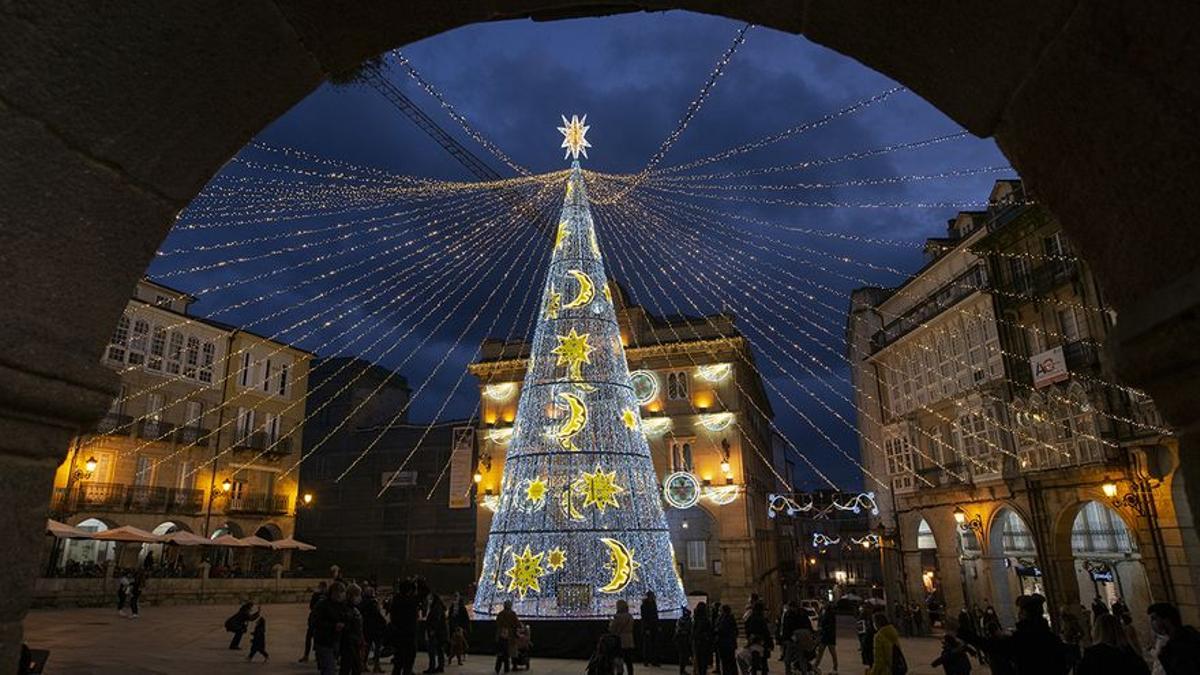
{"x": 681, "y": 454}
{"x": 1068, "y": 324}
{"x": 266, "y": 380}
{"x": 244, "y": 377}
{"x": 899, "y": 453}
{"x": 207, "y": 355}
{"x": 979, "y": 441}
{"x": 175, "y": 353}
{"x": 272, "y": 428}
{"x": 677, "y": 386}
{"x": 120, "y": 340}
{"x": 138, "y": 342}
{"x": 193, "y": 416}
{"x": 697, "y": 555}
{"x": 283, "y": 380}
{"x": 162, "y": 301}
{"x": 192, "y": 362}
{"x": 158, "y": 348}
{"x": 245, "y": 425}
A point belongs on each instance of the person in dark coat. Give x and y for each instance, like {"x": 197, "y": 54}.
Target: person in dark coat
{"x": 374, "y": 625}
{"x": 758, "y": 632}
{"x": 258, "y": 641}
{"x": 827, "y": 632}
{"x": 649, "y": 617}
{"x": 238, "y": 623}
{"x": 403, "y": 617}
{"x": 353, "y": 646}
{"x": 683, "y": 639}
{"x": 332, "y": 614}
{"x": 436, "y": 634}
{"x": 316, "y": 597}
{"x": 135, "y": 592}
{"x": 866, "y": 635}
{"x": 702, "y": 639}
{"x": 1112, "y": 654}
{"x": 1181, "y": 653}
{"x": 1032, "y": 648}
{"x": 727, "y": 635}
{"x": 953, "y": 659}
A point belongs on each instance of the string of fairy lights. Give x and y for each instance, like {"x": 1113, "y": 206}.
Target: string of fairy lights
{"x": 403, "y": 272}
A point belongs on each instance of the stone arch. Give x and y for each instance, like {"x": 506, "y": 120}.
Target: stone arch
{"x": 269, "y": 531}
{"x": 1012, "y": 560}
{"x": 228, "y": 527}
{"x": 81, "y": 553}
{"x": 96, "y": 177}
{"x": 1107, "y": 561}
{"x": 158, "y": 552}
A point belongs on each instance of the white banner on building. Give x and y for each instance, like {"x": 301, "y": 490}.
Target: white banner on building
{"x": 462, "y": 456}
{"x": 1048, "y": 367}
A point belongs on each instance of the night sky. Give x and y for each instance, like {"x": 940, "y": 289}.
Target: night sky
{"x": 633, "y": 75}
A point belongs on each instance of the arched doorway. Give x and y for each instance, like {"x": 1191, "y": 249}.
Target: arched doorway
{"x": 81, "y": 555}
{"x": 154, "y": 555}
{"x": 1013, "y": 563}
{"x": 930, "y": 574}
{"x": 1108, "y": 566}
{"x": 223, "y": 558}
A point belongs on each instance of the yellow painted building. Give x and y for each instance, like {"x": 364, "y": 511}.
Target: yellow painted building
{"x": 201, "y": 437}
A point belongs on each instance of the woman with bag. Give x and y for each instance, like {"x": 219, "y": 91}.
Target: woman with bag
{"x": 889, "y": 659}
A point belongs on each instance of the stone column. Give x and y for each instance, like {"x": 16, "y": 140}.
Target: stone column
{"x": 950, "y": 571}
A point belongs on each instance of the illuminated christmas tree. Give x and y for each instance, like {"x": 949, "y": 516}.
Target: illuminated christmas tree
{"x": 579, "y": 523}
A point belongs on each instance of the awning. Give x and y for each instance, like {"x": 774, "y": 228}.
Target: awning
{"x": 127, "y": 533}
{"x": 229, "y": 540}
{"x": 293, "y": 544}
{"x": 185, "y": 538}
{"x": 64, "y": 531}
{"x": 255, "y": 541}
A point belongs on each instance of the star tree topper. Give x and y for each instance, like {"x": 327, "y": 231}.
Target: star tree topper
{"x": 575, "y": 136}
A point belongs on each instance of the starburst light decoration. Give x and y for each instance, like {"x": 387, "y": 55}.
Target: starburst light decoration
{"x": 579, "y": 523}
{"x": 575, "y": 136}
{"x": 526, "y": 572}
{"x": 600, "y": 489}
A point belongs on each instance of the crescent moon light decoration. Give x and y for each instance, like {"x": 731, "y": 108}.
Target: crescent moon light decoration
{"x": 621, "y": 563}
{"x": 587, "y": 290}
{"x": 574, "y": 423}
{"x": 567, "y": 501}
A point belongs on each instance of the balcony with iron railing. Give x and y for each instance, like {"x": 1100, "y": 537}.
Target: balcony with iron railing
{"x": 973, "y": 279}
{"x": 260, "y": 441}
{"x": 113, "y": 424}
{"x": 93, "y": 496}
{"x": 156, "y": 430}
{"x": 257, "y": 503}
{"x": 192, "y": 435}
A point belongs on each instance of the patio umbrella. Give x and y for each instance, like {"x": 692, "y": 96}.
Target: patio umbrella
{"x": 229, "y": 540}
{"x": 185, "y": 538}
{"x": 127, "y": 533}
{"x": 292, "y": 544}
{"x": 255, "y": 541}
{"x": 64, "y": 531}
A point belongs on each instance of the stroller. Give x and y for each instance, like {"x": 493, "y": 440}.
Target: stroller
{"x": 522, "y": 647}
{"x": 606, "y": 660}
{"x": 799, "y": 652}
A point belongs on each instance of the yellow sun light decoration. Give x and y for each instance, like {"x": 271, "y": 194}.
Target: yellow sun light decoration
{"x": 525, "y": 572}
{"x": 555, "y": 559}
{"x": 630, "y": 419}
{"x": 573, "y": 351}
{"x": 553, "y": 304}
{"x": 535, "y": 491}
{"x": 600, "y": 489}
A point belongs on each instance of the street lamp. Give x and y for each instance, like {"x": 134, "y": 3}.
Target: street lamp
{"x": 89, "y": 468}
{"x": 226, "y": 485}
{"x": 1129, "y": 499}
{"x": 307, "y": 498}
{"x": 964, "y": 523}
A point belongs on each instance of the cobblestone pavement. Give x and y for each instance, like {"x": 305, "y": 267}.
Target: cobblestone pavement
{"x": 192, "y": 639}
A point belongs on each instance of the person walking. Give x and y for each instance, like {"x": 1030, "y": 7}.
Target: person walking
{"x": 374, "y": 625}
{"x": 1112, "y": 654}
{"x": 758, "y": 635}
{"x": 317, "y": 596}
{"x": 436, "y": 635}
{"x": 866, "y": 635}
{"x": 621, "y": 625}
{"x": 1032, "y": 648}
{"x": 353, "y": 646}
{"x": 887, "y": 657}
{"x": 953, "y": 658}
{"x": 135, "y": 592}
{"x": 332, "y": 615}
{"x": 460, "y": 617}
{"x": 1181, "y": 652}
{"x": 507, "y": 624}
{"x": 702, "y": 639}
{"x": 683, "y": 639}
{"x": 404, "y": 618}
{"x": 123, "y": 592}
{"x": 827, "y": 629}
{"x": 238, "y": 623}
{"x": 258, "y": 641}
{"x": 649, "y": 617}
{"x": 727, "y": 634}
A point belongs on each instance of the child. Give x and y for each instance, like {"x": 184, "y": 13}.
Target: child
{"x": 258, "y": 641}
{"x": 458, "y": 645}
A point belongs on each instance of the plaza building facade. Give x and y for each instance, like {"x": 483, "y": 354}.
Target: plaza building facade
{"x": 394, "y": 514}
{"x": 207, "y": 422}
{"x": 1015, "y": 462}
{"x": 707, "y": 419}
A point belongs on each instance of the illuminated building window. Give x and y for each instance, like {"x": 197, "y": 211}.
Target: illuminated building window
{"x": 120, "y": 340}
{"x": 697, "y": 555}
{"x": 138, "y": 342}
{"x": 681, "y": 454}
{"x": 158, "y": 348}
{"x": 898, "y": 448}
{"x": 175, "y": 353}
{"x": 677, "y": 386}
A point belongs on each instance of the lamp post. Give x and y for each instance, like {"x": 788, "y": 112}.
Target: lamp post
{"x": 226, "y": 486}
{"x": 965, "y": 524}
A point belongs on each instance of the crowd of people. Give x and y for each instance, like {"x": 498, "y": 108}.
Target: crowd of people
{"x": 354, "y": 626}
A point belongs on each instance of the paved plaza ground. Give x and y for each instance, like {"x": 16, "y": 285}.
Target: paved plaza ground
{"x": 191, "y": 639}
